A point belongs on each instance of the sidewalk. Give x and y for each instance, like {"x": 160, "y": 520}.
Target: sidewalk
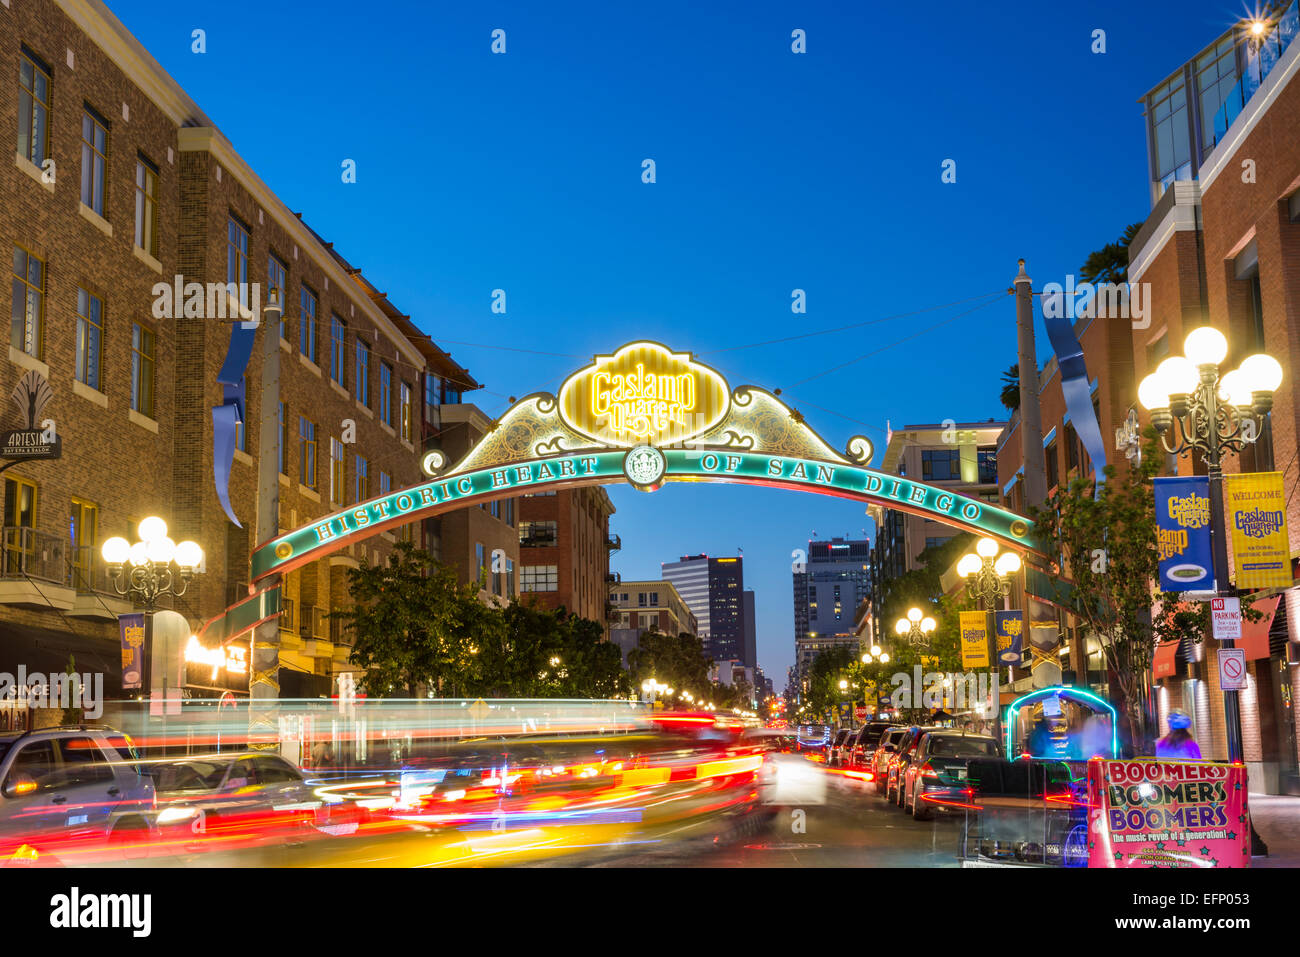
{"x": 1277, "y": 820}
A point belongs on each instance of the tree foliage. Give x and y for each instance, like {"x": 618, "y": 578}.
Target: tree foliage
{"x": 1110, "y": 263}
{"x": 415, "y": 626}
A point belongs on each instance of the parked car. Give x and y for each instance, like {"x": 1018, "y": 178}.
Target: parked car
{"x": 72, "y": 795}
{"x": 887, "y": 747}
{"x": 836, "y": 747}
{"x": 899, "y": 761}
{"x": 935, "y": 778}
{"x": 863, "y": 748}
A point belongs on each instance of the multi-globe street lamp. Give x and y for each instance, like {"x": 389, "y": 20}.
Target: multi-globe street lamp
{"x": 916, "y": 627}
{"x": 1194, "y": 407}
{"x": 988, "y": 574}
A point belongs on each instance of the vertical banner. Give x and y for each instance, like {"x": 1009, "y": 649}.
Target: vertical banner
{"x": 974, "y": 639}
{"x": 1008, "y": 632}
{"x": 1183, "y": 533}
{"x": 1149, "y": 813}
{"x": 1256, "y": 518}
{"x": 132, "y": 630}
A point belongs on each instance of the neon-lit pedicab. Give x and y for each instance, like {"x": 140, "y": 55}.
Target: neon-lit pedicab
{"x": 1030, "y": 809}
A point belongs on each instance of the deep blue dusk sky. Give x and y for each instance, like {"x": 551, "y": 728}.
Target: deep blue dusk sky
{"x": 775, "y": 171}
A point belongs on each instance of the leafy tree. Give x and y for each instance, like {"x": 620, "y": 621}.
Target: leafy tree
{"x": 678, "y": 661}
{"x": 411, "y": 621}
{"x": 1104, "y": 542}
{"x": 1110, "y": 263}
{"x": 1011, "y": 387}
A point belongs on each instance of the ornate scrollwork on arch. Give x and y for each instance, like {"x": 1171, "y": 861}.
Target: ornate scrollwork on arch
{"x": 859, "y": 450}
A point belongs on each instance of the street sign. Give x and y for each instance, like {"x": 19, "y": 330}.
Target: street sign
{"x": 860, "y": 712}
{"x": 1225, "y": 614}
{"x": 479, "y": 710}
{"x": 1232, "y": 669}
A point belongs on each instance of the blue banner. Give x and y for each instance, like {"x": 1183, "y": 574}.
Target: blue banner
{"x": 1074, "y": 382}
{"x": 1183, "y": 533}
{"x": 1008, "y": 635}
{"x": 132, "y": 629}
{"x": 230, "y": 413}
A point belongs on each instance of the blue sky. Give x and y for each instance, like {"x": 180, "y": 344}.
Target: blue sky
{"x": 775, "y": 171}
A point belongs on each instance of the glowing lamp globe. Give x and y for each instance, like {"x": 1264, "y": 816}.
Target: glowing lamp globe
{"x": 138, "y": 554}
{"x": 1262, "y": 373}
{"x": 884, "y": 659}
{"x": 116, "y": 550}
{"x": 1008, "y": 563}
{"x": 1178, "y": 376}
{"x": 986, "y": 547}
{"x": 189, "y": 555}
{"x": 969, "y": 565}
{"x": 900, "y": 627}
{"x": 914, "y": 614}
{"x": 928, "y": 625}
{"x": 151, "y": 528}
{"x": 160, "y": 550}
{"x": 1205, "y": 346}
{"x": 1152, "y": 394}
{"x": 1235, "y": 390}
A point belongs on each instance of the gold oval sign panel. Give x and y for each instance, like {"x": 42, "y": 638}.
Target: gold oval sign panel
{"x": 644, "y": 394}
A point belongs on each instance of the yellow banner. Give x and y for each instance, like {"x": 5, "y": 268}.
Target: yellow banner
{"x": 1256, "y": 518}
{"x": 974, "y": 639}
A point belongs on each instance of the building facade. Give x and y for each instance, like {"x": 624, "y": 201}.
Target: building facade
{"x": 1222, "y": 246}
{"x": 713, "y": 588}
{"x": 641, "y": 606}
{"x": 564, "y": 549}
{"x": 829, "y": 586}
{"x": 122, "y": 194}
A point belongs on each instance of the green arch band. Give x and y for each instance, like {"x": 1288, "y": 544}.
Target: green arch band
{"x": 458, "y": 490}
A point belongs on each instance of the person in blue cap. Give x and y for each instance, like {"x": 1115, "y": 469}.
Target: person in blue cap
{"x": 1178, "y": 744}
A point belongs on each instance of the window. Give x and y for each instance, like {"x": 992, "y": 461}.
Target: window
{"x": 146, "y": 206}
{"x": 404, "y": 408}
{"x": 432, "y": 396}
{"x": 537, "y": 534}
{"x": 338, "y": 333}
{"x": 641, "y": 599}
{"x": 385, "y": 483}
{"x": 36, "y": 760}
{"x": 1170, "y": 131}
{"x": 1053, "y": 466}
{"x": 33, "y": 109}
{"x": 90, "y": 337}
{"x": 508, "y": 512}
{"x": 27, "y": 334}
{"x": 83, "y": 524}
{"x": 510, "y": 578}
{"x": 19, "y": 520}
{"x": 386, "y": 394}
{"x": 142, "y": 369}
{"x": 930, "y": 543}
{"x": 539, "y": 578}
{"x": 94, "y": 158}
{"x": 336, "y": 471}
{"x": 276, "y": 275}
{"x": 654, "y": 599}
{"x": 988, "y": 464}
{"x": 307, "y": 452}
{"x": 307, "y": 324}
{"x": 363, "y": 373}
{"x": 1216, "y": 75}
{"x": 237, "y": 259}
{"x": 480, "y": 563}
{"x": 940, "y": 465}
{"x": 284, "y": 441}
{"x": 83, "y": 763}
{"x": 361, "y": 482}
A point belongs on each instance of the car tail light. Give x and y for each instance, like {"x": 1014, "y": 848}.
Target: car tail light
{"x": 928, "y": 772}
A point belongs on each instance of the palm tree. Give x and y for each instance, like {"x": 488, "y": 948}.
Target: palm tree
{"x": 1110, "y": 263}
{"x": 1011, "y": 387}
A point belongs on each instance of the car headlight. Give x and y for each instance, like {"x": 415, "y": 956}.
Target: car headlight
{"x": 172, "y": 814}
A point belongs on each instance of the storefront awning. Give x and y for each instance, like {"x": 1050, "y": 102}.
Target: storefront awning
{"x": 1254, "y": 634}
{"x": 1165, "y": 664}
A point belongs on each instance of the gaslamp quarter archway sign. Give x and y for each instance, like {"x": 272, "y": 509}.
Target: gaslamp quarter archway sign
{"x": 644, "y": 415}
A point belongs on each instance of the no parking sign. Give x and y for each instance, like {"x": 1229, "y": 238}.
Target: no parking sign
{"x": 1232, "y": 669}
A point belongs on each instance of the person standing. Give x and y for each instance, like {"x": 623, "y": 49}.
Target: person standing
{"x": 1178, "y": 744}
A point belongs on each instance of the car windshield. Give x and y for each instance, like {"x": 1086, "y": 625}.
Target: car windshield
{"x": 959, "y": 747}
{"x": 188, "y": 775}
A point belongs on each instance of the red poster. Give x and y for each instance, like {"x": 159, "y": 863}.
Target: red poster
{"x": 1150, "y": 813}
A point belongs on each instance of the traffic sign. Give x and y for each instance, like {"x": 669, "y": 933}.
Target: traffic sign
{"x": 1232, "y": 669}
{"x": 479, "y": 710}
{"x": 1225, "y": 614}
{"x": 860, "y": 713}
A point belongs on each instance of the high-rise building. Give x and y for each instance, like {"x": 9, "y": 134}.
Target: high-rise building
{"x": 713, "y": 588}
{"x": 828, "y": 588}
{"x": 750, "y": 656}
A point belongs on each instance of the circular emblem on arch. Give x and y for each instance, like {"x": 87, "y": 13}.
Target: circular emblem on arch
{"x": 1019, "y": 527}
{"x": 644, "y": 467}
{"x": 283, "y": 550}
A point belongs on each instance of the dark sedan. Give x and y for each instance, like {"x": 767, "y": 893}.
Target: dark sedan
{"x": 936, "y": 777}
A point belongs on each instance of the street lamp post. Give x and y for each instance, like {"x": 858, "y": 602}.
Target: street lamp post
{"x": 147, "y": 570}
{"x": 915, "y": 628}
{"x": 875, "y": 655}
{"x": 1193, "y": 407}
{"x": 988, "y": 579}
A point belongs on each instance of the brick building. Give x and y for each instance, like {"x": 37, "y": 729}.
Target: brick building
{"x": 641, "y": 606}
{"x": 1222, "y": 246}
{"x": 144, "y": 189}
{"x": 564, "y": 546}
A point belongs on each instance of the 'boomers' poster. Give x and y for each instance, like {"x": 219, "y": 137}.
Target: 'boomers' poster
{"x": 1154, "y": 813}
